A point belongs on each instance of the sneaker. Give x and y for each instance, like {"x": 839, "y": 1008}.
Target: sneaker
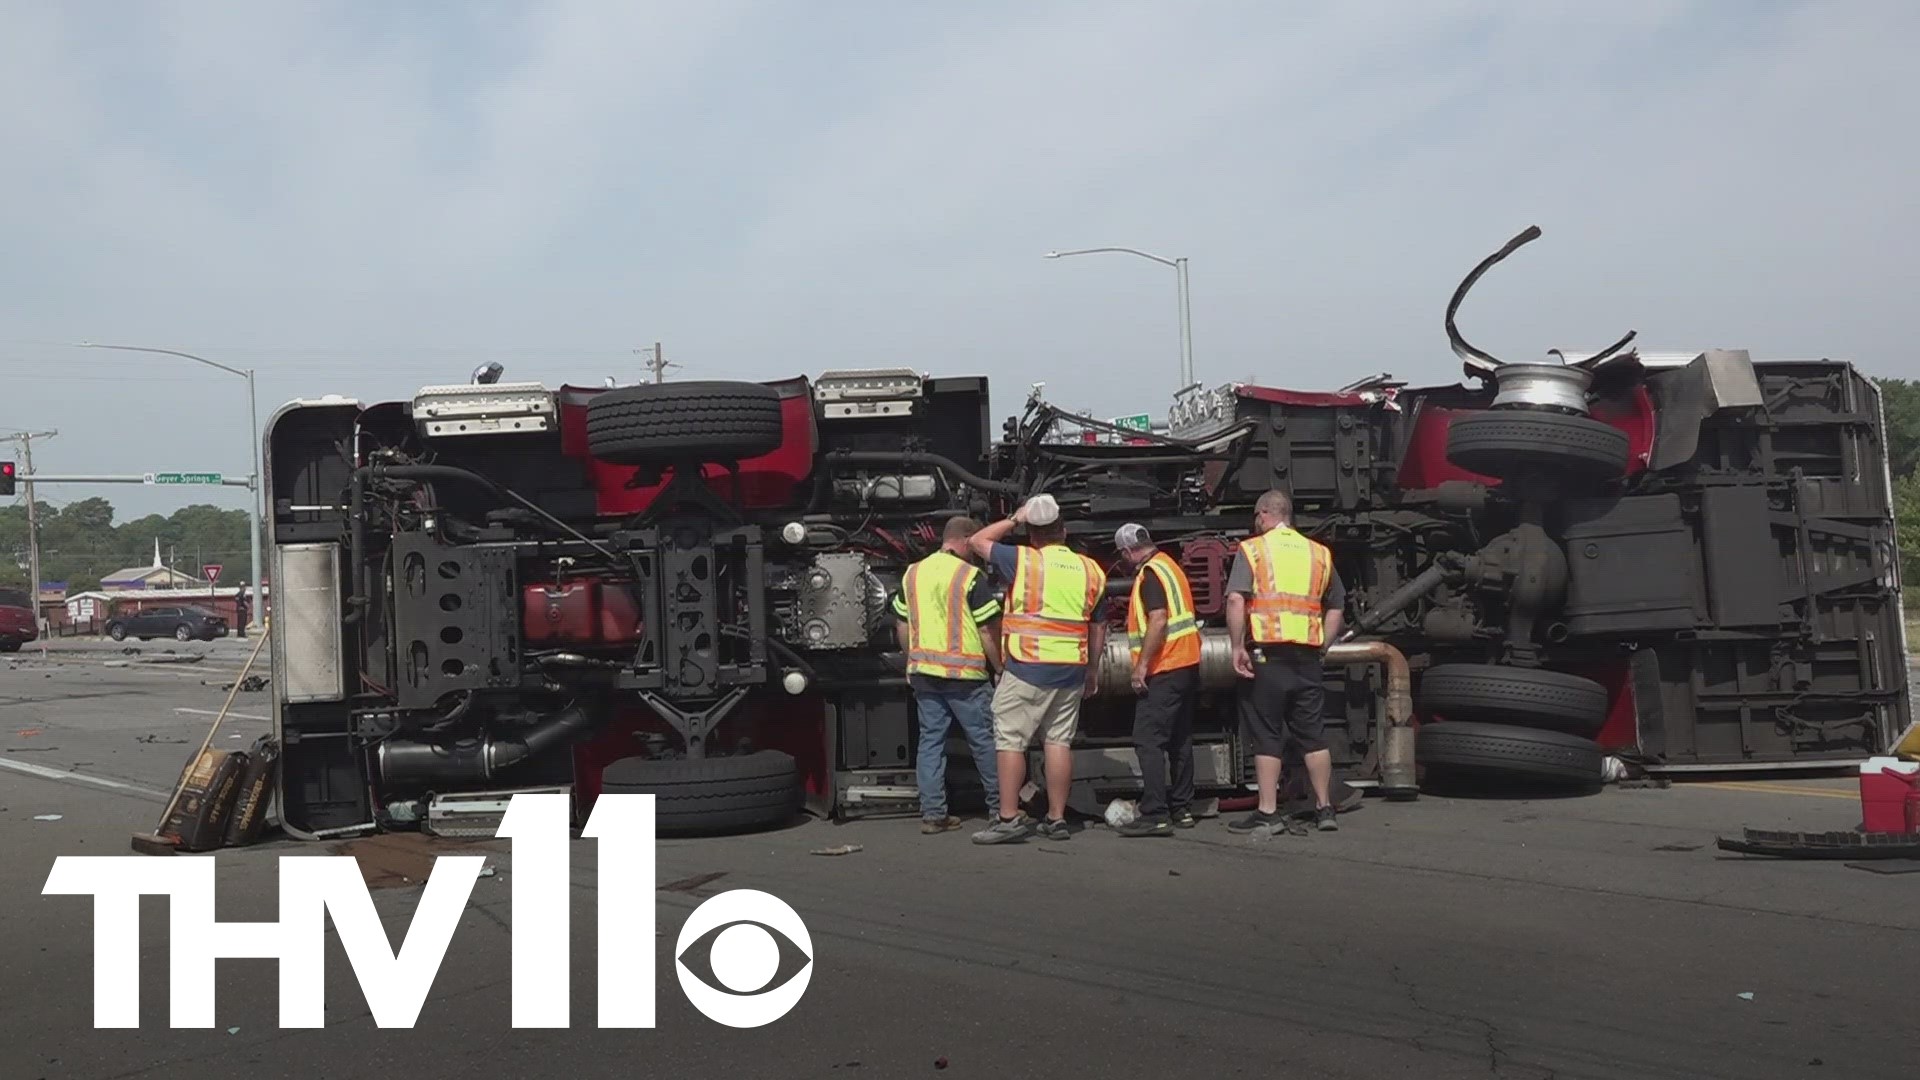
{"x": 1323, "y": 819}
{"x": 1146, "y": 827}
{"x": 1054, "y": 830}
{"x": 1257, "y": 822}
{"x": 1184, "y": 819}
{"x": 931, "y": 826}
{"x": 1003, "y": 831}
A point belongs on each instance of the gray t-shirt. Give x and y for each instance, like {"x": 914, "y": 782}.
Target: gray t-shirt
{"x": 1240, "y": 580}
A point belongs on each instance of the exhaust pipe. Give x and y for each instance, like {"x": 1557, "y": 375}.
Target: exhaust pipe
{"x": 423, "y": 765}
{"x": 1393, "y": 739}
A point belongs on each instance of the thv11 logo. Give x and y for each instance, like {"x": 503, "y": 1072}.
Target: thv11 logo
{"x": 743, "y": 930}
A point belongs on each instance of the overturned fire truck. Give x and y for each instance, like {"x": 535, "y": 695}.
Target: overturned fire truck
{"x": 1685, "y": 562}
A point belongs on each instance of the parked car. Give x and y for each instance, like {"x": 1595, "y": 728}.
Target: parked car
{"x": 179, "y": 623}
{"x": 17, "y": 624}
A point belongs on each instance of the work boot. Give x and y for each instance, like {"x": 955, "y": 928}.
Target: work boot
{"x": 1146, "y": 827}
{"x": 932, "y": 826}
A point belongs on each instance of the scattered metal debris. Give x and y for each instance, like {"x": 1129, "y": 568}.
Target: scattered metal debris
{"x": 155, "y": 739}
{"x": 1827, "y": 845}
{"x": 843, "y": 849}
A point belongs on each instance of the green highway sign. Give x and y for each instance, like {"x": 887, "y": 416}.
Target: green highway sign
{"x": 1141, "y": 422}
{"x": 186, "y": 478}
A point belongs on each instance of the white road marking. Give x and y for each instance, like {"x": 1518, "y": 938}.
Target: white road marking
{"x": 55, "y": 774}
{"x": 216, "y": 712}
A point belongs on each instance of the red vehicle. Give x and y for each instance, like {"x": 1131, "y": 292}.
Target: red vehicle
{"x": 17, "y": 624}
{"x": 681, "y": 588}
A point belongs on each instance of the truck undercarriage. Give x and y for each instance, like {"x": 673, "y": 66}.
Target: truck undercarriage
{"x": 682, "y": 588}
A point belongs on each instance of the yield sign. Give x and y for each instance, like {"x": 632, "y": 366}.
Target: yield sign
{"x": 212, "y": 571}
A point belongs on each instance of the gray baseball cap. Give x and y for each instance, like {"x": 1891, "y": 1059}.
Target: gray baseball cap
{"x": 1130, "y": 536}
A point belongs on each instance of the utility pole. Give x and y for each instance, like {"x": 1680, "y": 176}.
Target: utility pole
{"x": 25, "y": 439}
{"x": 656, "y": 362}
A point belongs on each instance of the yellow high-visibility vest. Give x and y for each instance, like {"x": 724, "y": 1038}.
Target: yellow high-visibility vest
{"x": 1290, "y": 575}
{"x": 1182, "y": 646}
{"x": 943, "y": 632}
{"x": 1055, "y": 593}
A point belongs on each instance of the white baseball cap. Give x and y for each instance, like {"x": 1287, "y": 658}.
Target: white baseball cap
{"x": 1130, "y": 536}
{"x": 1042, "y": 510}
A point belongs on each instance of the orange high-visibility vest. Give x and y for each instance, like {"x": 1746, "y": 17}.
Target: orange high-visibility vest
{"x": 1055, "y": 593}
{"x": 1182, "y": 645}
{"x": 1290, "y": 575}
{"x": 943, "y": 633}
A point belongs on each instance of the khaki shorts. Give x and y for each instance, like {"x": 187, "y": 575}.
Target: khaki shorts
{"x": 1021, "y": 710}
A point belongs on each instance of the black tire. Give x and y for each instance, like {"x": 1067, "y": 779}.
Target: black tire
{"x": 183, "y": 632}
{"x": 10, "y": 646}
{"x": 664, "y": 423}
{"x": 117, "y": 632}
{"x": 1515, "y": 752}
{"x": 1505, "y": 443}
{"x": 741, "y": 793}
{"x": 1528, "y": 697}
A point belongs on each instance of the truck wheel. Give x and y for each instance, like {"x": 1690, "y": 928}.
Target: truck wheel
{"x": 9, "y": 646}
{"x": 1528, "y": 697}
{"x": 662, "y": 423}
{"x": 741, "y": 793}
{"x": 1504, "y": 443}
{"x": 1512, "y": 752}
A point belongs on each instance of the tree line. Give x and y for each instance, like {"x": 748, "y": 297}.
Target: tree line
{"x": 80, "y": 543}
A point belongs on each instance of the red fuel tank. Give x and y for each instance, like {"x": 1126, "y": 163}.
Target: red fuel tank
{"x": 583, "y": 613}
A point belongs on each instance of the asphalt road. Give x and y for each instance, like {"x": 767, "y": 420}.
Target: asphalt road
{"x": 1591, "y": 937}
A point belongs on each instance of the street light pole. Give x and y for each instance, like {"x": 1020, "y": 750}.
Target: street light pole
{"x": 257, "y": 484}
{"x": 1183, "y": 297}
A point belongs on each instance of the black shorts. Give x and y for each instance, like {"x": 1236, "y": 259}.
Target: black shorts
{"x": 1280, "y": 706}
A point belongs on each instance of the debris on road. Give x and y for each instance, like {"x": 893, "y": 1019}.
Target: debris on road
{"x": 689, "y": 884}
{"x": 48, "y": 817}
{"x": 1745, "y": 995}
{"x": 1827, "y": 845}
{"x": 150, "y": 738}
{"x": 843, "y": 849}
{"x": 170, "y": 658}
{"x": 28, "y": 733}
{"x": 248, "y": 685}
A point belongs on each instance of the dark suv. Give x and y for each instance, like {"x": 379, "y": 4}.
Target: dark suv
{"x": 17, "y": 624}
{"x": 179, "y": 623}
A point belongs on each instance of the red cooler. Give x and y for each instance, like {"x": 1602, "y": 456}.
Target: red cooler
{"x": 1890, "y": 795}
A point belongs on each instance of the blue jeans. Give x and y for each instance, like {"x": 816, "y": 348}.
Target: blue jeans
{"x": 939, "y": 710}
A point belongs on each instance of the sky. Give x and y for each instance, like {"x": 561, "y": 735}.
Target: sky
{"x": 364, "y": 198}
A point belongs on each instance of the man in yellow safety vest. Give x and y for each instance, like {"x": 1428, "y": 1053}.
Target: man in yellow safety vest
{"x": 946, "y": 609}
{"x": 1053, "y": 646}
{"x": 1284, "y": 602}
{"x": 1164, "y": 638}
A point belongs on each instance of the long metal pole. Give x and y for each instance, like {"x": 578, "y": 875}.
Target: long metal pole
{"x": 254, "y": 515}
{"x": 1186, "y": 326}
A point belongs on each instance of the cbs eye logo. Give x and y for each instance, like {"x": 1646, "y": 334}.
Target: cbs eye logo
{"x": 744, "y": 958}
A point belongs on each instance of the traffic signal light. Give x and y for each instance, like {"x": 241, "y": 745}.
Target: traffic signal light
{"x": 6, "y": 477}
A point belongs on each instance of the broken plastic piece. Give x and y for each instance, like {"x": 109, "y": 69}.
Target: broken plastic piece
{"x": 843, "y": 849}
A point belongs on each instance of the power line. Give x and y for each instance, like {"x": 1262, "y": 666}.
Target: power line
{"x": 656, "y": 361}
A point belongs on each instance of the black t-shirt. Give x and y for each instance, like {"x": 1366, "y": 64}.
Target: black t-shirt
{"x": 1153, "y": 594}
